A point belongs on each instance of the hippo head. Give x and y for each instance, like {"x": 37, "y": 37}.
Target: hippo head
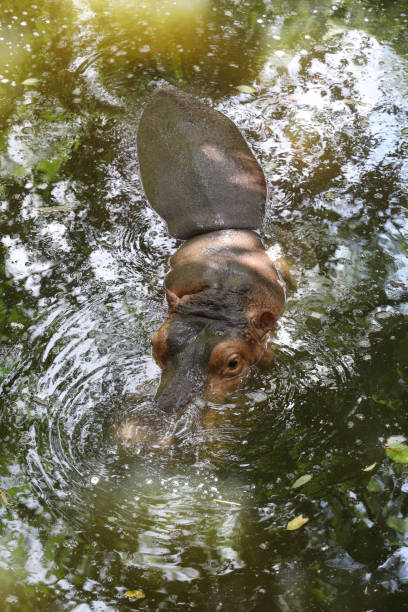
{"x": 207, "y": 346}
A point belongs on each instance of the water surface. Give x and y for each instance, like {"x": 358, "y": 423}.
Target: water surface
{"x": 84, "y": 518}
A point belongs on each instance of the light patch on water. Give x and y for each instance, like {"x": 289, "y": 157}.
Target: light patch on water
{"x": 104, "y": 265}
{"x": 20, "y": 264}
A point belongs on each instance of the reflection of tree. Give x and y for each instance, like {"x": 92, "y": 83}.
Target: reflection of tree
{"x": 215, "y": 44}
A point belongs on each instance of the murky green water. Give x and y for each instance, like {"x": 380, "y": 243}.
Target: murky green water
{"x": 85, "y": 519}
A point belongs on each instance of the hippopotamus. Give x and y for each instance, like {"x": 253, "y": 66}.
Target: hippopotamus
{"x": 224, "y": 293}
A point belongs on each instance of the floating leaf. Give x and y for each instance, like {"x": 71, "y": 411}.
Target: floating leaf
{"x": 329, "y": 195}
{"x": 136, "y": 594}
{"x": 301, "y": 481}
{"x": 354, "y": 102}
{"x": 404, "y": 130}
{"x": 246, "y": 89}
{"x": 397, "y": 452}
{"x": 31, "y": 81}
{"x": 370, "y": 467}
{"x": 4, "y": 498}
{"x": 297, "y": 522}
{"x": 224, "y": 501}
{"x": 112, "y": 519}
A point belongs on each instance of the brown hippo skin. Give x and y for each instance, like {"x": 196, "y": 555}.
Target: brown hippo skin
{"x": 224, "y": 293}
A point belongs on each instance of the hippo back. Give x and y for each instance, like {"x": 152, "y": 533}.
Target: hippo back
{"x": 197, "y": 170}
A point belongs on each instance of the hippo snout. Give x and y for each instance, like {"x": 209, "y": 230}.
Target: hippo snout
{"x": 182, "y": 381}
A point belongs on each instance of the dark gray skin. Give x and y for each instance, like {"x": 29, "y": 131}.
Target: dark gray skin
{"x": 197, "y": 170}
{"x": 224, "y": 293}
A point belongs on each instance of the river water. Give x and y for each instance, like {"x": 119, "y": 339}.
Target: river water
{"x": 201, "y": 524}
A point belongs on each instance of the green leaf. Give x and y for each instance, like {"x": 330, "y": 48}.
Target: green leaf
{"x": 19, "y": 171}
{"x": 397, "y": 452}
{"x": 374, "y": 485}
{"x": 112, "y": 519}
{"x": 50, "y": 168}
{"x": 404, "y": 130}
{"x": 246, "y": 89}
{"x": 398, "y": 523}
{"x": 301, "y": 481}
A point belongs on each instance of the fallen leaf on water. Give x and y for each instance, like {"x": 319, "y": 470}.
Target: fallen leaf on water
{"x": 397, "y": 452}
{"x": 370, "y": 467}
{"x": 112, "y": 519}
{"x": 136, "y": 594}
{"x": 224, "y": 501}
{"x": 53, "y": 208}
{"x": 297, "y": 522}
{"x": 354, "y": 102}
{"x": 4, "y": 498}
{"x": 246, "y": 89}
{"x": 31, "y": 81}
{"x": 404, "y": 130}
{"x": 329, "y": 195}
{"x": 301, "y": 481}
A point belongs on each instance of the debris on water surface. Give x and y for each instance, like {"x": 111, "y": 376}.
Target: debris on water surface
{"x": 4, "y": 498}
{"x": 297, "y": 522}
{"x": 31, "y": 82}
{"x": 301, "y": 481}
{"x": 370, "y": 467}
{"x": 224, "y": 501}
{"x": 61, "y": 208}
{"x": 397, "y": 452}
{"x": 246, "y": 89}
{"x": 94, "y": 480}
{"x": 136, "y": 594}
{"x": 112, "y": 519}
{"x": 354, "y": 102}
{"x": 404, "y": 130}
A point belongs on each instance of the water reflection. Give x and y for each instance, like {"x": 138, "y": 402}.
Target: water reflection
{"x": 84, "y": 260}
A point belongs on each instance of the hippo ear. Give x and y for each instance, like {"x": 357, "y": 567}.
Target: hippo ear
{"x": 264, "y": 321}
{"x": 172, "y": 299}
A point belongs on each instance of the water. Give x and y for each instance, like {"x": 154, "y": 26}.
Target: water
{"x": 86, "y": 518}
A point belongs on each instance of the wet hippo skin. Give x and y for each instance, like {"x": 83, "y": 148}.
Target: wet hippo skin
{"x": 197, "y": 170}
{"x": 223, "y": 291}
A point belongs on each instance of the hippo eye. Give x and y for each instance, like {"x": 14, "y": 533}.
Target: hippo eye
{"x": 234, "y": 365}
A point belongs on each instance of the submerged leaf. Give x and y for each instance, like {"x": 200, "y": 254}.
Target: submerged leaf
{"x": 301, "y": 481}
{"x": 20, "y": 171}
{"x": 136, "y": 594}
{"x": 297, "y": 522}
{"x": 246, "y": 89}
{"x": 370, "y": 467}
{"x": 397, "y": 452}
{"x": 398, "y": 523}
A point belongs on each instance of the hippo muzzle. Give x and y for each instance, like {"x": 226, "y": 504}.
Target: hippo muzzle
{"x": 183, "y": 378}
